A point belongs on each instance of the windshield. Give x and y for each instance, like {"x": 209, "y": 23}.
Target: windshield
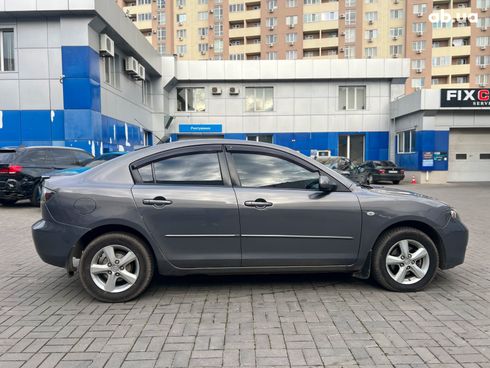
{"x": 6, "y": 157}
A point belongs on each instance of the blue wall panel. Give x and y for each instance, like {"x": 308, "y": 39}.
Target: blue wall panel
{"x": 10, "y": 131}
{"x": 426, "y": 141}
{"x": 80, "y": 62}
{"x": 81, "y": 93}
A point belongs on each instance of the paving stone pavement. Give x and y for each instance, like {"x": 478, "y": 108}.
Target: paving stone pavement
{"x": 47, "y": 320}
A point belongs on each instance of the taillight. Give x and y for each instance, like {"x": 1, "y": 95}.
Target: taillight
{"x": 402, "y": 171}
{"x": 381, "y": 171}
{"x": 11, "y": 169}
{"x": 46, "y": 194}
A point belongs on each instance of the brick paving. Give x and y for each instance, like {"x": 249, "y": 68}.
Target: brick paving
{"x": 47, "y": 320}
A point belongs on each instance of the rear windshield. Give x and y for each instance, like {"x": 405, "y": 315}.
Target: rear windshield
{"x": 384, "y": 164}
{"x": 6, "y": 156}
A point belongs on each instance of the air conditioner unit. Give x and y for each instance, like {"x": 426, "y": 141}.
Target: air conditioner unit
{"x": 211, "y": 11}
{"x": 131, "y": 66}
{"x": 341, "y": 49}
{"x": 155, "y": 17}
{"x": 420, "y": 15}
{"x": 211, "y": 26}
{"x": 234, "y": 91}
{"x": 271, "y": 45}
{"x": 106, "y": 46}
{"x": 291, "y": 43}
{"x": 342, "y": 33}
{"x": 419, "y": 70}
{"x": 211, "y": 46}
{"x": 420, "y": 33}
{"x": 461, "y": 6}
{"x": 271, "y": 10}
{"x": 418, "y": 89}
{"x": 483, "y": 29}
{"x": 181, "y": 38}
{"x": 370, "y": 40}
{"x": 291, "y": 25}
{"x": 396, "y": 1}
{"x": 181, "y": 24}
{"x": 216, "y": 91}
{"x": 203, "y": 37}
{"x": 369, "y": 57}
{"x": 370, "y": 21}
{"x": 484, "y": 9}
{"x": 203, "y": 52}
{"x": 418, "y": 51}
{"x": 482, "y": 84}
{"x": 181, "y": 6}
{"x": 141, "y": 73}
{"x": 395, "y": 38}
{"x": 396, "y": 56}
{"x": 483, "y": 66}
{"x": 483, "y": 47}
{"x": 271, "y": 28}
{"x": 342, "y": 16}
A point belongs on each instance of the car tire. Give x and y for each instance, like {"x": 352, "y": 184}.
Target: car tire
{"x": 36, "y": 196}
{"x": 396, "y": 182}
{"x": 118, "y": 280}
{"x": 7, "y": 202}
{"x": 369, "y": 179}
{"x": 404, "y": 259}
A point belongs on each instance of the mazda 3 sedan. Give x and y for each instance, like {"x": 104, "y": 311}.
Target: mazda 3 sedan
{"x": 225, "y": 206}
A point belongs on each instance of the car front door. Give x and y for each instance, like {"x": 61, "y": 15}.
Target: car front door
{"x": 285, "y": 220}
{"x": 187, "y": 202}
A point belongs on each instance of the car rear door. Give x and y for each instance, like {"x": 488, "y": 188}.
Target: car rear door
{"x": 285, "y": 220}
{"x": 187, "y": 202}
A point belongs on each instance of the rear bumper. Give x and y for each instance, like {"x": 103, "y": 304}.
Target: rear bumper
{"x": 55, "y": 242}
{"x": 12, "y": 189}
{"x": 388, "y": 177}
{"x": 454, "y": 240}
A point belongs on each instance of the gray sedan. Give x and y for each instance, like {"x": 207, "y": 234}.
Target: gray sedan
{"x": 225, "y": 206}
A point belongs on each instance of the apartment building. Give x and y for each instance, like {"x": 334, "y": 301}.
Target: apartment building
{"x": 448, "y": 41}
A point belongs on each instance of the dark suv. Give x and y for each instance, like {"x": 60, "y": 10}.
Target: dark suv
{"x": 21, "y": 169}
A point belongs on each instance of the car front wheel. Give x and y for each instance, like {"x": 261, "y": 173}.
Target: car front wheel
{"x": 404, "y": 259}
{"x": 116, "y": 267}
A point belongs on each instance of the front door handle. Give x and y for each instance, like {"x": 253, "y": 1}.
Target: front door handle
{"x": 157, "y": 202}
{"x": 258, "y": 203}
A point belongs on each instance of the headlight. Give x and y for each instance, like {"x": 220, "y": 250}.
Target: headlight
{"x": 454, "y": 214}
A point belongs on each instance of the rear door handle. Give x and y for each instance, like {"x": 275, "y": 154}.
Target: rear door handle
{"x": 157, "y": 202}
{"x": 258, "y": 203}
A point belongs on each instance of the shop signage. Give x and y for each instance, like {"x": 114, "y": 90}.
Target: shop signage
{"x": 465, "y": 97}
{"x": 428, "y": 159}
{"x": 200, "y": 128}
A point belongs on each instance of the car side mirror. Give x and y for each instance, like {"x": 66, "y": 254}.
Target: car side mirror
{"x": 326, "y": 184}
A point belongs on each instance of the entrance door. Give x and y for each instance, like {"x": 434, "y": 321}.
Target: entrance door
{"x": 352, "y": 147}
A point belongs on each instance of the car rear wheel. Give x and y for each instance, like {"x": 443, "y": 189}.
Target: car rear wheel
{"x": 36, "y": 196}
{"x": 404, "y": 259}
{"x": 369, "y": 180}
{"x": 396, "y": 182}
{"x": 116, "y": 267}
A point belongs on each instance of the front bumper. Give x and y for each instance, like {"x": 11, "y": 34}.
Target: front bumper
{"x": 454, "y": 241}
{"x": 55, "y": 242}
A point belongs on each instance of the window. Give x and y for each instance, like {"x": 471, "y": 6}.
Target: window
{"x": 36, "y": 157}
{"x": 218, "y": 29}
{"x": 272, "y": 55}
{"x": 180, "y": 3}
{"x": 396, "y": 13}
{"x": 370, "y": 34}
{"x": 258, "y": 99}
{"x": 371, "y": 16}
{"x": 441, "y": 61}
{"x": 419, "y": 8}
{"x": 291, "y": 55}
{"x": 203, "y": 31}
{"x": 191, "y": 99}
{"x": 349, "y": 52}
{"x": 146, "y": 92}
{"x": 161, "y": 34}
{"x": 237, "y": 8}
{"x": 418, "y": 27}
{"x": 237, "y": 56}
{"x": 271, "y": 39}
{"x": 112, "y": 67}
{"x": 350, "y": 17}
{"x": 142, "y": 17}
{"x": 311, "y": 17}
{"x": 483, "y": 41}
{"x": 406, "y": 141}
{"x": 162, "y": 20}
{"x": 396, "y": 32}
{"x": 194, "y": 169}
{"x": 371, "y": 52}
{"x": 218, "y": 12}
{"x": 461, "y": 156}
{"x": 396, "y": 50}
{"x": 181, "y": 33}
{"x": 204, "y": 15}
{"x": 484, "y": 156}
{"x": 311, "y": 2}
{"x": 272, "y": 4}
{"x": 482, "y": 79}
{"x": 418, "y": 83}
{"x": 291, "y": 20}
{"x": 291, "y": 37}
{"x": 181, "y": 18}
{"x": 218, "y": 46}
{"x": 160, "y": 4}
{"x": 291, "y": 3}
{"x": 326, "y": 16}
{"x": 63, "y": 157}
{"x": 143, "y": 2}
{"x": 202, "y": 2}
{"x": 483, "y": 4}
{"x": 350, "y": 3}
{"x": 181, "y": 49}
{"x": 203, "y": 47}
{"x": 352, "y": 98}
{"x": 264, "y": 171}
{"x": 7, "y": 50}
{"x": 271, "y": 22}
{"x": 418, "y": 45}
{"x": 350, "y": 35}
{"x": 267, "y": 138}
{"x": 418, "y": 64}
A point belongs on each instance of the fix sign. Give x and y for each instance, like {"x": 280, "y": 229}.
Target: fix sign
{"x": 465, "y": 97}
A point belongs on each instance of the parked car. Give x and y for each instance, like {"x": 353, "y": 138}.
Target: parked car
{"x": 86, "y": 165}
{"x": 226, "y": 206}
{"x": 341, "y": 164}
{"x": 321, "y": 155}
{"x": 372, "y": 172}
{"x": 21, "y": 169}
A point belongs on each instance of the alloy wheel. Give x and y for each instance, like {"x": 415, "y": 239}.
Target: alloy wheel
{"x": 114, "y": 268}
{"x": 407, "y": 261}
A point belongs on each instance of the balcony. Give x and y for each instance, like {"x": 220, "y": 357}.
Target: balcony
{"x": 454, "y": 32}
{"x": 451, "y": 69}
{"x": 247, "y": 14}
{"x": 317, "y": 26}
{"x": 244, "y": 32}
{"x": 451, "y": 51}
{"x": 245, "y": 48}
{"x": 320, "y": 42}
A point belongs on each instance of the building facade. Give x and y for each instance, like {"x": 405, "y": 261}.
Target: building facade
{"x": 338, "y": 105}
{"x": 58, "y": 87}
{"x": 448, "y": 49}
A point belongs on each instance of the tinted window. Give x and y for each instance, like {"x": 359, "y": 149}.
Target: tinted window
{"x": 6, "y": 157}
{"x": 198, "y": 169}
{"x": 257, "y": 170}
{"x": 64, "y": 157}
{"x": 460, "y": 156}
{"x": 82, "y": 157}
{"x": 36, "y": 157}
